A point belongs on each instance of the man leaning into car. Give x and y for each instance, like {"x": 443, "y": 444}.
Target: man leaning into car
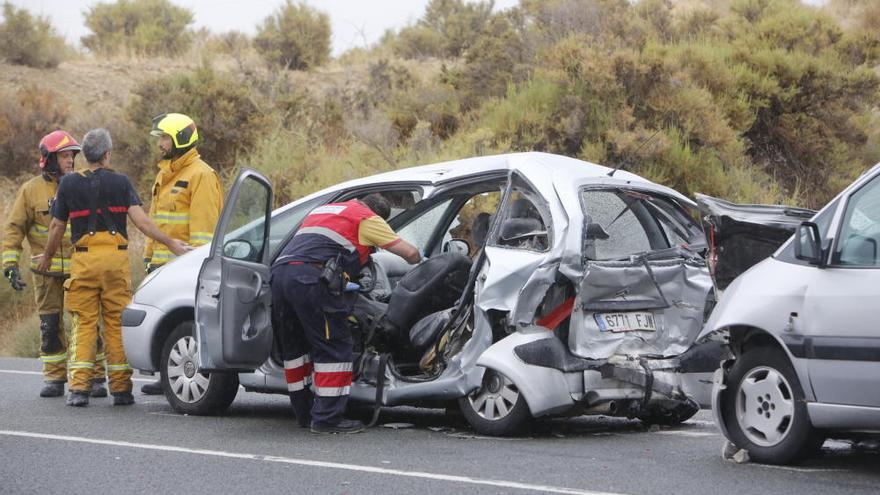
{"x": 311, "y": 304}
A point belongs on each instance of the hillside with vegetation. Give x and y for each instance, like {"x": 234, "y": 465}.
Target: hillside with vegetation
{"x": 770, "y": 101}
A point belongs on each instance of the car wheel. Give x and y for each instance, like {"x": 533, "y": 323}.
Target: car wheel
{"x": 497, "y": 407}
{"x": 765, "y": 411}
{"x": 187, "y": 390}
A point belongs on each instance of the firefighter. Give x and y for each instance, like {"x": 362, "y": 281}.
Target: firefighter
{"x": 311, "y": 306}
{"x": 29, "y": 219}
{"x": 187, "y": 195}
{"x": 97, "y": 201}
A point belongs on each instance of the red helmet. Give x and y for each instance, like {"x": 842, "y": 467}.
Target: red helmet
{"x": 55, "y": 142}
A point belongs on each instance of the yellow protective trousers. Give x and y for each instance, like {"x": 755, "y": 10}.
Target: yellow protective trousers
{"x": 99, "y": 288}
{"x": 49, "y": 296}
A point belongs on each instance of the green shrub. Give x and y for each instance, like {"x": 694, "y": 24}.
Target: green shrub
{"x": 29, "y": 40}
{"x": 497, "y": 59}
{"x": 138, "y": 27}
{"x": 25, "y": 117}
{"x": 295, "y": 37}
{"x": 417, "y": 42}
{"x": 447, "y": 29}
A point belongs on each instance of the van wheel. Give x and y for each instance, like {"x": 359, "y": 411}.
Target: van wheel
{"x": 497, "y": 407}
{"x": 187, "y": 390}
{"x": 765, "y": 411}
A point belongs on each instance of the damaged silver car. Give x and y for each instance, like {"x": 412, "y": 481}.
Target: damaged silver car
{"x": 552, "y": 286}
{"x": 804, "y": 360}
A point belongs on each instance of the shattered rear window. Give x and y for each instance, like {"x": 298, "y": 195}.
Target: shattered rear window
{"x": 626, "y": 222}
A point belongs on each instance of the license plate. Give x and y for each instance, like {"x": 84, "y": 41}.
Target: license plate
{"x": 625, "y": 322}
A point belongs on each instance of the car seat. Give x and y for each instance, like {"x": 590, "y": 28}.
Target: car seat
{"x": 434, "y": 284}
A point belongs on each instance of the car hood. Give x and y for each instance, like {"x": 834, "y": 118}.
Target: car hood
{"x": 174, "y": 284}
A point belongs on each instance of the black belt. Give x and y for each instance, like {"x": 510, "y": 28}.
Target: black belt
{"x": 85, "y": 249}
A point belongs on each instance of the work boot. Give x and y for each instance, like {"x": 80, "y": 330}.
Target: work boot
{"x": 154, "y": 388}
{"x": 342, "y": 426}
{"x": 122, "y": 399}
{"x": 78, "y": 398}
{"x": 52, "y": 389}
{"x": 98, "y": 389}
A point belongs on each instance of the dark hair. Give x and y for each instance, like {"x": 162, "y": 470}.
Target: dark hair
{"x": 378, "y": 204}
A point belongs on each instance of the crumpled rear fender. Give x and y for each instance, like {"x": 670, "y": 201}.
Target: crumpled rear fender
{"x": 544, "y": 389}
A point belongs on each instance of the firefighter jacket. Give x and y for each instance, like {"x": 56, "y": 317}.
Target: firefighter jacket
{"x": 186, "y": 201}
{"x": 29, "y": 219}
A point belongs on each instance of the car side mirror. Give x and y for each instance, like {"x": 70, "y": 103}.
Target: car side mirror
{"x": 596, "y": 231}
{"x": 808, "y": 244}
{"x": 458, "y": 246}
{"x": 239, "y": 249}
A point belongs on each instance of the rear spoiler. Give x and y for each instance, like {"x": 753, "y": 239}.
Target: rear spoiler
{"x": 739, "y": 236}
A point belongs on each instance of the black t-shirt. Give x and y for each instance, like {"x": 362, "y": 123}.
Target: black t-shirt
{"x": 75, "y": 199}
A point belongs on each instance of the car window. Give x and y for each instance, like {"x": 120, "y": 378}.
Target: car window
{"x": 860, "y": 229}
{"x": 245, "y": 232}
{"x": 473, "y": 219}
{"x": 616, "y": 231}
{"x": 283, "y": 223}
{"x": 399, "y": 200}
{"x": 524, "y": 222}
{"x": 418, "y": 231}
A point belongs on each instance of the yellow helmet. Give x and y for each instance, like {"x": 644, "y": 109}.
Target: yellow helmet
{"x": 181, "y": 128}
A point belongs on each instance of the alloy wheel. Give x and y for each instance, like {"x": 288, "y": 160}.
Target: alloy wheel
{"x": 765, "y": 406}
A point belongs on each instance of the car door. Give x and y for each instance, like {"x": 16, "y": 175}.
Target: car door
{"x": 519, "y": 244}
{"x": 233, "y": 300}
{"x": 842, "y": 307}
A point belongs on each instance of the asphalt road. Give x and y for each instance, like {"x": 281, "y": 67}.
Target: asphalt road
{"x": 46, "y": 447}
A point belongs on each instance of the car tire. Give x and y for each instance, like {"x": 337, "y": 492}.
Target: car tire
{"x": 765, "y": 411}
{"x": 497, "y": 408}
{"x": 187, "y": 390}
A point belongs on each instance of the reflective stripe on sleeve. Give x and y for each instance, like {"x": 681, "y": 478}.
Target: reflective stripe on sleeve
{"x": 58, "y": 264}
{"x": 11, "y": 256}
{"x": 162, "y": 256}
{"x": 199, "y": 238}
{"x": 118, "y": 367}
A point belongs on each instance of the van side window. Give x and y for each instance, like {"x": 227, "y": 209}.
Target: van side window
{"x": 859, "y": 237}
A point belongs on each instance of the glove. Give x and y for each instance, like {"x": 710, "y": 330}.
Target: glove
{"x": 11, "y": 274}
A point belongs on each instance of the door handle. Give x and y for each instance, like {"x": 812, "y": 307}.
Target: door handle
{"x": 250, "y": 294}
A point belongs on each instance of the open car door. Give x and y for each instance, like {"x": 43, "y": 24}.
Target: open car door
{"x": 233, "y": 299}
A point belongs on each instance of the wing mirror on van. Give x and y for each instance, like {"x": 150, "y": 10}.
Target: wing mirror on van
{"x": 808, "y": 244}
